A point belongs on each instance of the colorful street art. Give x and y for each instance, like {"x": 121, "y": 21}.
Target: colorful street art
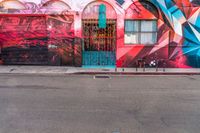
{"x": 37, "y": 39}
{"x": 22, "y": 37}
{"x": 52, "y": 32}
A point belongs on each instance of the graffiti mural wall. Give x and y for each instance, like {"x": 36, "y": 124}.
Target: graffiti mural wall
{"x": 37, "y": 39}
{"x": 163, "y": 33}
{"x": 178, "y": 34}
{"x": 22, "y": 37}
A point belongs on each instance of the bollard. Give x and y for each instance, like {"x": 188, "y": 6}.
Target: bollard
{"x": 157, "y": 66}
{"x": 136, "y": 64}
{"x": 164, "y": 64}
{"x": 144, "y": 66}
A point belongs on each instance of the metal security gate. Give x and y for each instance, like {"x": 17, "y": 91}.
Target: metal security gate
{"x": 31, "y": 55}
{"x": 23, "y": 39}
{"x": 99, "y": 44}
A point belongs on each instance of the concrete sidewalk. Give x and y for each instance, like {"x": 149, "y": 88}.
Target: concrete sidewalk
{"x": 78, "y": 70}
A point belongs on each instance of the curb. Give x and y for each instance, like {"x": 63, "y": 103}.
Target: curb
{"x": 101, "y": 72}
{"x": 138, "y": 73}
{"x": 108, "y": 73}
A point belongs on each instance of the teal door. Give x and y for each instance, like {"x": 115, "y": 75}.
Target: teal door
{"x": 99, "y": 59}
{"x": 99, "y": 44}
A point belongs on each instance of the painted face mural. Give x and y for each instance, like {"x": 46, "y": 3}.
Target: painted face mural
{"x": 163, "y": 33}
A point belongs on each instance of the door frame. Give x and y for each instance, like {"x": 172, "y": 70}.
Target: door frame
{"x": 115, "y": 45}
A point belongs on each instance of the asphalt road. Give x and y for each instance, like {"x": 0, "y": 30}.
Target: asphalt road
{"x": 84, "y": 104}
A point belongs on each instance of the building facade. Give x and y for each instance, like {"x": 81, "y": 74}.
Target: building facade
{"x": 101, "y": 33}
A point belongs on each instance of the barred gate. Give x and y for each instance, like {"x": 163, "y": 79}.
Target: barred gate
{"x": 99, "y": 44}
